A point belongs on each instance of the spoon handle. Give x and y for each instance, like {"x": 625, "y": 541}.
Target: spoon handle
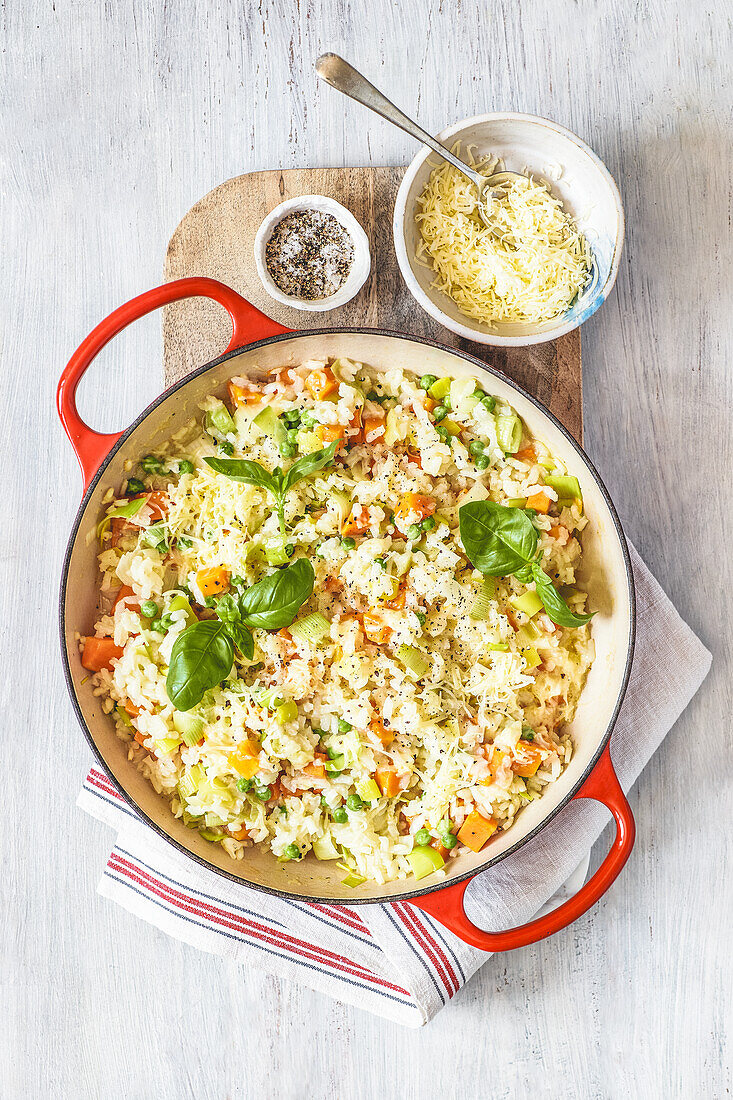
{"x": 345, "y": 78}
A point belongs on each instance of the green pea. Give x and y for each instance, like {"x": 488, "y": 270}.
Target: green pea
{"x": 421, "y": 617}
{"x": 157, "y": 626}
{"x": 166, "y": 622}
{"x": 307, "y": 421}
{"x": 324, "y": 803}
{"x": 442, "y": 432}
{"x": 476, "y": 447}
{"x": 289, "y": 549}
{"x": 348, "y": 543}
{"x": 185, "y": 467}
{"x": 150, "y": 609}
{"x": 340, "y": 816}
{"x": 427, "y": 524}
{"x": 482, "y": 462}
{"x": 527, "y": 733}
{"x": 262, "y": 792}
{"x": 152, "y": 465}
{"x": 244, "y": 785}
{"x": 353, "y": 802}
{"x": 135, "y": 485}
{"x": 344, "y": 726}
{"x": 489, "y": 402}
{"x": 447, "y": 403}
{"x": 439, "y": 412}
{"x": 448, "y": 840}
{"x": 293, "y": 435}
{"x": 292, "y": 417}
{"x": 226, "y": 447}
{"x": 422, "y": 836}
{"x": 413, "y": 531}
{"x": 287, "y": 449}
{"x": 292, "y": 852}
{"x": 427, "y": 381}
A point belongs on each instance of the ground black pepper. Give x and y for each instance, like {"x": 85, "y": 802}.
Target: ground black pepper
{"x": 309, "y": 254}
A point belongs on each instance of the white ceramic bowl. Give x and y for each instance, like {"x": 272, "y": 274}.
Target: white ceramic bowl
{"x": 359, "y": 269}
{"x": 573, "y": 172}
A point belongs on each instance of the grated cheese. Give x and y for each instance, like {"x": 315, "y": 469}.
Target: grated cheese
{"x": 528, "y": 270}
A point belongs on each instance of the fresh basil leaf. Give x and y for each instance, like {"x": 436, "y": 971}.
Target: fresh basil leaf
{"x": 229, "y": 611}
{"x": 309, "y": 464}
{"x": 241, "y": 469}
{"x": 524, "y": 574}
{"x": 202, "y": 656}
{"x": 555, "y": 605}
{"x": 497, "y": 540}
{"x": 274, "y": 602}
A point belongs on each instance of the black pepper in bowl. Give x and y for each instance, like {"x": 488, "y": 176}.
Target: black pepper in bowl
{"x": 309, "y": 254}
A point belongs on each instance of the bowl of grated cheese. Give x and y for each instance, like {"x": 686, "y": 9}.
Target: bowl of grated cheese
{"x": 552, "y": 256}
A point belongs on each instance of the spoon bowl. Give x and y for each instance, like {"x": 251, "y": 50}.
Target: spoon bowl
{"x": 345, "y": 78}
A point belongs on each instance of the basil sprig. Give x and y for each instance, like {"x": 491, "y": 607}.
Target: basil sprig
{"x": 277, "y": 483}
{"x": 203, "y": 654}
{"x": 500, "y": 541}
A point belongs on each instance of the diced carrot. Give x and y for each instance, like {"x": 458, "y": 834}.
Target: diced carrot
{"x": 131, "y": 709}
{"x": 375, "y": 630}
{"x": 476, "y": 830}
{"x": 539, "y": 501}
{"x": 327, "y": 433}
{"x": 357, "y": 522}
{"x": 333, "y": 584}
{"x": 317, "y": 768}
{"x": 414, "y": 504}
{"x": 529, "y": 762}
{"x": 380, "y": 731}
{"x": 527, "y": 454}
{"x": 245, "y": 393}
{"x": 431, "y": 403}
{"x": 497, "y": 759}
{"x": 140, "y": 738}
{"x": 390, "y": 781}
{"x": 321, "y": 383}
{"x": 245, "y": 758}
{"x": 99, "y": 653}
{"x": 239, "y": 834}
{"x": 158, "y": 504}
{"x": 415, "y": 458}
{"x": 133, "y": 604}
{"x": 556, "y": 531}
{"x": 372, "y": 426}
{"x": 442, "y": 851}
{"x": 212, "y": 581}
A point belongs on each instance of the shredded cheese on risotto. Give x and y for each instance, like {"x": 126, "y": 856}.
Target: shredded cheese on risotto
{"x": 412, "y": 707}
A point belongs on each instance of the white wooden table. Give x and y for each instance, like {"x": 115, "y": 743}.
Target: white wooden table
{"x": 116, "y": 118}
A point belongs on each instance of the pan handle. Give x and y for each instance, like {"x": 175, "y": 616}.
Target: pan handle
{"x": 447, "y": 905}
{"x": 248, "y": 325}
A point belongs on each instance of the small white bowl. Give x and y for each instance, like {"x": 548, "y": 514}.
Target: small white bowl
{"x": 359, "y": 269}
{"x": 572, "y": 171}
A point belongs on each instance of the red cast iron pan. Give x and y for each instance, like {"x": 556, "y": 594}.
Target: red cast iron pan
{"x": 257, "y": 344}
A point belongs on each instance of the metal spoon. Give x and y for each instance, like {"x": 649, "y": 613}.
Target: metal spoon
{"x": 345, "y": 78}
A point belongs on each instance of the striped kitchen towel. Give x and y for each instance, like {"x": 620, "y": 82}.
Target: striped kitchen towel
{"x": 392, "y": 959}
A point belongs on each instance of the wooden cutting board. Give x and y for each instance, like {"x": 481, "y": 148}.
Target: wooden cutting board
{"x": 216, "y": 236}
